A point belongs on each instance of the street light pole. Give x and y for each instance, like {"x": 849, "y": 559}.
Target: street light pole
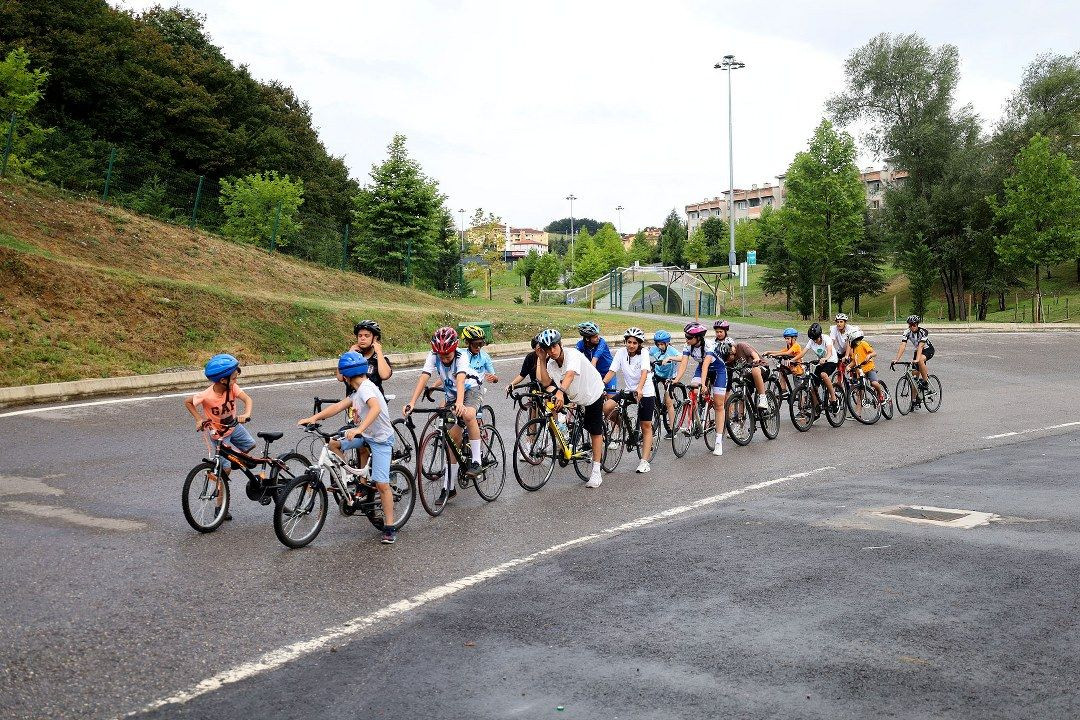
{"x": 730, "y": 64}
{"x": 619, "y": 210}
{"x": 571, "y": 197}
{"x": 462, "y": 228}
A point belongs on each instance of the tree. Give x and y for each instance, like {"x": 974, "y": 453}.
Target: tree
{"x": 641, "y": 250}
{"x": 696, "y": 250}
{"x": 1047, "y": 103}
{"x": 562, "y": 226}
{"x": 825, "y": 202}
{"x": 486, "y": 235}
{"x": 546, "y": 275}
{"x": 607, "y": 238}
{"x": 746, "y": 238}
{"x": 526, "y": 266}
{"x": 716, "y": 240}
{"x": 918, "y": 261}
{"x": 399, "y": 220}
{"x": 781, "y": 272}
{"x": 672, "y": 240}
{"x": 255, "y": 204}
{"x": 20, "y": 90}
{"x": 1041, "y": 211}
{"x": 861, "y": 272}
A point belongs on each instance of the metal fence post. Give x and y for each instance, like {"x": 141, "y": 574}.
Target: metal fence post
{"x": 108, "y": 175}
{"x": 274, "y": 232}
{"x": 7, "y": 145}
{"x": 195, "y": 208}
{"x": 345, "y": 246}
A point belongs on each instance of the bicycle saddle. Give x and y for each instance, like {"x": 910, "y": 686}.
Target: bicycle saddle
{"x": 271, "y": 436}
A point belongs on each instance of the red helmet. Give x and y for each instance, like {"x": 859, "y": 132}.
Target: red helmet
{"x": 444, "y": 340}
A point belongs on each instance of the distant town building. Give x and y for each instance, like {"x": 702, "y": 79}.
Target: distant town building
{"x": 521, "y": 241}
{"x": 749, "y": 203}
{"x": 652, "y": 234}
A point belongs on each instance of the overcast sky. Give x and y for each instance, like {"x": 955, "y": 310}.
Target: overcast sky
{"x": 512, "y": 106}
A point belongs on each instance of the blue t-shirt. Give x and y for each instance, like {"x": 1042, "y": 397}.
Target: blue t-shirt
{"x": 603, "y": 358}
{"x": 667, "y": 371}
{"x": 481, "y": 363}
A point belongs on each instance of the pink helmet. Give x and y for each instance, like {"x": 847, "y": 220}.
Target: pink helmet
{"x": 694, "y": 329}
{"x": 444, "y": 340}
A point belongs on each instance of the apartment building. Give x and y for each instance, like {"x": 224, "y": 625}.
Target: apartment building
{"x": 521, "y": 241}
{"x": 749, "y": 203}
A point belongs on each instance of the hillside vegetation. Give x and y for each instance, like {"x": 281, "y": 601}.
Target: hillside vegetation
{"x": 98, "y": 291}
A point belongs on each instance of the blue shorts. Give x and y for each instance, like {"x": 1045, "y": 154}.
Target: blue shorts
{"x": 719, "y": 369}
{"x": 239, "y": 438}
{"x": 381, "y": 453}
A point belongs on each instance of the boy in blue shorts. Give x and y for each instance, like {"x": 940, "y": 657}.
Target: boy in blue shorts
{"x": 373, "y": 430}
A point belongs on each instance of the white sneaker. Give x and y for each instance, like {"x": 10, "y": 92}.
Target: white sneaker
{"x": 643, "y": 466}
{"x": 718, "y": 450}
{"x": 594, "y": 480}
{"x": 762, "y": 402}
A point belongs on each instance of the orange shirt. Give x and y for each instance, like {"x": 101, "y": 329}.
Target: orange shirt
{"x": 217, "y": 407}
{"x": 860, "y": 352}
{"x": 788, "y": 354}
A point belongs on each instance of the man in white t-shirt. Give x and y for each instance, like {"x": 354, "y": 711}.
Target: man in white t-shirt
{"x": 634, "y": 368}
{"x": 576, "y": 381}
{"x": 822, "y": 349}
{"x": 839, "y": 334}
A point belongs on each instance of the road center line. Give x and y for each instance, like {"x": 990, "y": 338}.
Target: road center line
{"x": 144, "y": 398}
{"x": 1031, "y": 430}
{"x": 277, "y": 658}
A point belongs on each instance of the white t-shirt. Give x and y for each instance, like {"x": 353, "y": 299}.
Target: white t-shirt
{"x": 587, "y": 386}
{"x": 380, "y": 430}
{"x": 629, "y": 371}
{"x": 824, "y": 351}
{"x": 840, "y": 339}
{"x": 433, "y": 366}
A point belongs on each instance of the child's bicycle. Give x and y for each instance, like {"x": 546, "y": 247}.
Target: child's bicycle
{"x": 301, "y": 508}
{"x": 206, "y": 495}
{"x": 911, "y": 391}
{"x": 547, "y": 440}
{"x": 404, "y": 437}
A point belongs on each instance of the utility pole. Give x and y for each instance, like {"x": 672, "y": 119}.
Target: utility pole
{"x": 571, "y": 197}
{"x": 730, "y": 64}
{"x": 619, "y": 210}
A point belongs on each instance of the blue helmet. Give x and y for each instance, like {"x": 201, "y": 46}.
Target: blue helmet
{"x": 220, "y": 367}
{"x": 661, "y": 336}
{"x": 351, "y": 364}
{"x": 791, "y": 332}
{"x": 588, "y": 329}
{"x": 549, "y": 338}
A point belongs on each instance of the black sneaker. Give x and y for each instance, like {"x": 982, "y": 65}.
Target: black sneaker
{"x": 388, "y": 537}
{"x": 228, "y": 516}
{"x": 452, "y": 493}
{"x": 474, "y": 469}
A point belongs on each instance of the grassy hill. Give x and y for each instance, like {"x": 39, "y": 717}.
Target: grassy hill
{"x": 97, "y": 291}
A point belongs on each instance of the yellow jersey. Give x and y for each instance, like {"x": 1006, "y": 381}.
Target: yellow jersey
{"x": 860, "y": 353}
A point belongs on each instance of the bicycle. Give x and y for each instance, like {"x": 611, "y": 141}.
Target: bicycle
{"x": 205, "y": 496}
{"x": 529, "y": 401}
{"x": 861, "y": 396}
{"x": 742, "y": 415}
{"x": 404, "y": 438}
{"x": 625, "y": 432}
{"x": 437, "y": 447}
{"x": 545, "y": 441}
{"x": 300, "y": 513}
{"x": 809, "y": 396}
{"x": 907, "y": 395}
{"x": 695, "y": 417}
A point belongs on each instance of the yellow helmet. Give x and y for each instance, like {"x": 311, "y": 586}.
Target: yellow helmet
{"x": 473, "y": 332}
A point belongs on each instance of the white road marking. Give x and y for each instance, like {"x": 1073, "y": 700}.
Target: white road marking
{"x": 51, "y": 512}
{"x": 18, "y": 485}
{"x": 1031, "y": 430}
{"x": 970, "y": 518}
{"x": 144, "y": 398}
{"x": 277, "y": 658}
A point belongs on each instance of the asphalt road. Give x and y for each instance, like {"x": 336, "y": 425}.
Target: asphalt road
{"x": 111, "y": 602}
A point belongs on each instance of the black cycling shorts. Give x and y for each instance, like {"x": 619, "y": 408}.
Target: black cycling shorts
{"x": 927, "y": 352}
{"x": 645, "y": 409}
{"x": 826, "y": 367}
{"x": 594, "y": 417}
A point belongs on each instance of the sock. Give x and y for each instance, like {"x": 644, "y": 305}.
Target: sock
{"x": 474, "y": 446}
{"x": 595, "y": 468}
{"x": 451, "y": 476}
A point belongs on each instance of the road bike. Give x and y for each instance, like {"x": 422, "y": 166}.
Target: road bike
{"x": 438, "y": 448}
{"x": 624, "y": 432}
{"x": 742, "y": 416}
{"x": 529, "y": 398}
{"x": 695, "y": 417}
{"x": 912, "y": 391}
{"x": 206, "y": 495}
{"x": 553, "y": 438}
{"x": 300, "y": 512}
{"x": 862, "y": 398}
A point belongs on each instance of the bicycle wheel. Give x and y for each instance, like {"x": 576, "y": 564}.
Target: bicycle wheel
{"x": 403, "y": 488}
{"x": 489, "y": 483}
{"x": 837, "y": 418}
{"x": 801, "y": 408}
{"x": 534, "y": 454}
{"x": 295, "y": 465}
{"x": 486, "y": 415}
{"x": 708, "y": 420}
{"x": 887, "y": 405}
{"x": 739, "y": 418}
{"x": 205, "y": 498}
{"x": 932, "y": 395}
{"x": 770, "y": 419}
{"x": 863, "y": 402}
{"x": 524, "y": 414}
{"x": 682, "y": 433}
{"x": 581, "y": 450}
{"x": 433, "y": 460}
{"x": 615, "y": 442}
{"x": 904, "y": 395}
{"x": 300, "y": 514}
{"x": 404, "y": 442}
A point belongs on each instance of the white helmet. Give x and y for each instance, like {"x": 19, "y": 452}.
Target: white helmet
{"x": 634, "y": 332}
{"x": 856, "y": 334}
{"x": 840, "y": 316}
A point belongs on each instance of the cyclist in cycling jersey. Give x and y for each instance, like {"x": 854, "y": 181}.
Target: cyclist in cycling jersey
{"x": 862, "y": 353}
{"x": 596, "y": 350}
{"x": 462, "y": 386}
{"x": 575, "y": 380}
{"x": 722, "y": 328}
{"x": 739, "y": 352}
{"x": 479, "y": 360}
{"x": 924, "y": 349}
{"x": 788, "y": 356}
{"x": 631, "y": 365}
{"x": 666, "y": 358}
{"x": 822, "y": 349}
{"x": 710, "y": 369}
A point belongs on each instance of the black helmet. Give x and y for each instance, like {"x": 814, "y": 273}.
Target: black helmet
{"x": 814, "y": 333}
{"x": 369, "y": 325}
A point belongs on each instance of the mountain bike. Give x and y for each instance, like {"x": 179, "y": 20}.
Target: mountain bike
{"x": 741, "y": 413}
{"x": 300, "y": 513}
{"x": 809, "y": 396}
{"x": 206, "y": 495}
{"x": 404, "y": 437}
{"x": 548, "y": 439}
{"x": 911, "y": 391}
{"x": 437, "y": 447}
{"x": 862, "y": 398}
{"x": 695, "y": 417}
